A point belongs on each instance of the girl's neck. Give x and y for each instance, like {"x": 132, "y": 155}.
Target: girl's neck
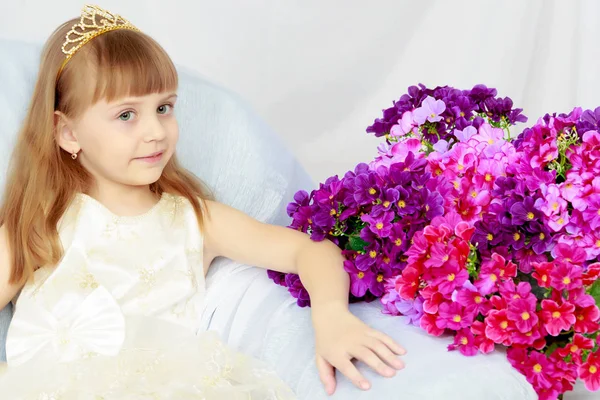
{"x": 124, "y": 200}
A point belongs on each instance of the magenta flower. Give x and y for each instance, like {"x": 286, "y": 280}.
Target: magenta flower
{"x": 464, "y": 341}
{"x": 454, "y": 316}
{"x": 432, "y": 299}
{"x": 592, "y": 212}
{"x": 589, "y": 372}
{"x": 523, "y": 314}
{"x": 483, "y": 343}
{"x": 449, "y": 278}
{"x": 557, "y": 318}
{"x": 429, "y": 324}
{"x": 468, "y": 296}
{"x": 566, "y": 276}
{"x": 539, "y": 370}
{"x": 431, "y": 111}
{"x": 498, "y": 327}
{"x": 569, "y": 254}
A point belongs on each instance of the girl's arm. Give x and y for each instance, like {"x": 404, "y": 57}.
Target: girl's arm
{"x": 340, "y": 336}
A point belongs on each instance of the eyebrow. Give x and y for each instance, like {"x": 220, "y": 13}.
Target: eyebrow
{"x": 131, "y": 102}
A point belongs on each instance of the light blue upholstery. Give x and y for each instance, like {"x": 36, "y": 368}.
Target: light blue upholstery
{"x": 5, "y": 317}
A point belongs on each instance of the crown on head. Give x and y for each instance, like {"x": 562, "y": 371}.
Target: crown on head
{"x": 94, "y": 21}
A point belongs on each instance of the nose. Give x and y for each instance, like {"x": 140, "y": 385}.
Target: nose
{"x": 154, "y": 130}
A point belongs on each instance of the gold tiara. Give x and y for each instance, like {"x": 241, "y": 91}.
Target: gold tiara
{"x": 94, "y": 21}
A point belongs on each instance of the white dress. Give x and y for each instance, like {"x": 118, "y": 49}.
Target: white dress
{"x": 119, "y": 316}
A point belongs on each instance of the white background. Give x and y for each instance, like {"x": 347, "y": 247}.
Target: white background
{"x": 320, "y": 71}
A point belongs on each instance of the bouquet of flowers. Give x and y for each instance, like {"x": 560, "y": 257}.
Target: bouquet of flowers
{"x": 465, "y": 230}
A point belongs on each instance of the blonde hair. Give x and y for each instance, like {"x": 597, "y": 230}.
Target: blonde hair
{"x": 43, "y": 179}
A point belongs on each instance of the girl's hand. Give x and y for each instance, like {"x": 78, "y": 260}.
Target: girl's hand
{"x": 341, "y": 337}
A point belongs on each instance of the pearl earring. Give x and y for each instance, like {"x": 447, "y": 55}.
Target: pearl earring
{"x": 74, "y": 156}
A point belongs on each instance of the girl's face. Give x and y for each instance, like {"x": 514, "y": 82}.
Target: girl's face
{"x": 125, "y": 142}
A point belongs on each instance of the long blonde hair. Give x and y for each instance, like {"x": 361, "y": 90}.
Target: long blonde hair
{"x": 43, "y": 179}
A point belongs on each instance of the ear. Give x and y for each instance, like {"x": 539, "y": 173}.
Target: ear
{"x": 63, "y": 133}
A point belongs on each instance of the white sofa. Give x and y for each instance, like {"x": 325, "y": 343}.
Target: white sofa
{"x": 238, "y": 156}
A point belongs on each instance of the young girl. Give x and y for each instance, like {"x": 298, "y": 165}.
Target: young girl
{"x": 108, "y": 239}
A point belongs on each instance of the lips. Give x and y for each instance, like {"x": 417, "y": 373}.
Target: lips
{"x": 152, "y": 158}
{"x": 158, "y": 153}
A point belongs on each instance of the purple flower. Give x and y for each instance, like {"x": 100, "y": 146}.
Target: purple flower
{"x": 523, "y": 211}
{"x": 301, "y": 198}
{"x": 480, "y": 93}
{"x": 389, "y": 299}
{"x": 390, "y": 197}
{"x": 297, "y": 290}
{"x": 366, "y": 188}
{"x": 371, "y": 257}
{"x": 380, "y": 225}
{"x": 541, "y": 238}
{"x": 487, "y": 232}
{"x": 360, "y": 281}
{"x": 277, "y": 277}
{"x": 432, "y": 204}
{"x": 406, "y": 204}
{"x": 328, "y": 192}
{"x": 412, "y": 309}
{"x": 590, "y": 121}
{"x": 431, "y": 111}
{"x": 376, "y": 286}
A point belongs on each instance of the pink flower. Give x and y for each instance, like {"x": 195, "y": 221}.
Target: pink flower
{"x": 465, "y": 134}
{"x": 404, "y": 126}
{"x": 464, "y": 342}
{"x": 523, "y": 314}
{"x": 430, "y": 110}
{"x": 532, "y": 338}
{"x": 449, "y": 279}
{"x": 539, "y": 370}
{"x": 542, "y": 273}
{"x": 491, "y": 271}
{"x": 439, "y": 255}
{"x": 454, "y": 316}
{"x": 592, "y": 212}
{"x": 407, "y": 284}
{"x": 566, "y": 276}
{"x": 509, "y": 291}
{"x": 468, "y": 296}
{"x": 565, "y": 373}
{"x": 483, "y": 343}
{"x": 577, "y": 345}
{"x": 432, "y": 299}
{"x": 498, "y": 328}
{"x": 557, "y": 318}
{"x": 569, "y": 254}
{"x": 586, "y": 319}
{"x": 552, "y": 203}
{"x": 429, "y": 324}
{"x": 589, "y": 372}
{"x": 591, "y": 274}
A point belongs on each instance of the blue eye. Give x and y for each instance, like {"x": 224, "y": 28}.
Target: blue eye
{"x": 164, "y": 109}
{"x": 126, "y": 116}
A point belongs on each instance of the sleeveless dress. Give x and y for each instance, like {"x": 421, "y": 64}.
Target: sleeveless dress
{"x": 119, "y": 316}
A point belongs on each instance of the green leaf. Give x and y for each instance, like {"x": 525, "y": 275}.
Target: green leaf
{"x": 594, "y": 291}
{"x": 357, "y": 244}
